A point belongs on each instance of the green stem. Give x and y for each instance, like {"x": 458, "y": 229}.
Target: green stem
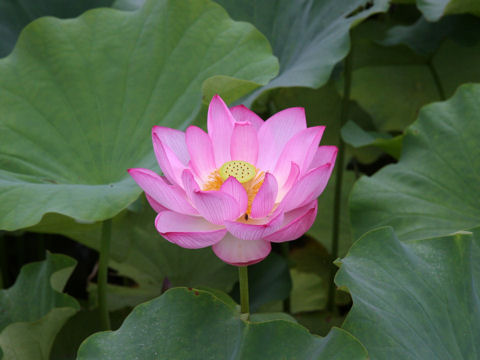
{"x": 344, "y": 113}
{"x": 3, "y": 263}
{"x": 244, "y": 298}
{"x": 103, "y": 274}
{"x": 436, "y": 79}
{"x": 285, "y": 251}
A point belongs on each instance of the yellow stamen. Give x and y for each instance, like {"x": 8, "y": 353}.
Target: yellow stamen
{"x": 253, "y": 188}
{"x": 214, "y": 182}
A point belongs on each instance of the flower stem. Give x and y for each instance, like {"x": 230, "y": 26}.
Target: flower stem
{"x": 344, "y": 113}
{"x": 103, "y": 272}
{"x": 3, "y": 263}
{"x": 244, "y": 298}
{"x": 285, "y": 251}
{"x": 436, "y": 79}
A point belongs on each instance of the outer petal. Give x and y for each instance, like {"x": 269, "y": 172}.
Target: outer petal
{"x": 295, "y": 224}
{"x": 169, "y": 196}
{"x": 300, "y": 149}
{"x": 215, "y": 206}
{"x": 275, "y": 134}
{"x": 220, "y": 126}
{"x": 201, "y": 152}
{"x": 240, "y": 252}
{"x": 171, "y": 166}
{"x": 255, "y": 229}
{"x": 308, "y": 188}
{"x": 263, "y": 203}
{"x": 191, "y": 232}
{"x": 155, "y": 205}
{"x": 175, "y": 140}
{"x": 244, "y": 143}
{"x": 233, "y": 187}
{"x": 242, "y": 114}
{"x": 324, "y": 155}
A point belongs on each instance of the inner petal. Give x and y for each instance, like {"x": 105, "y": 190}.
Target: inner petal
{"x": 248, "y": 175}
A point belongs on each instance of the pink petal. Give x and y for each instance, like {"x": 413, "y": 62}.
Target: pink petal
{"x": 233, "y": 188}
{"x": 324, "y": 155}
{"x": 265, "y": 199}
{"x": 244, "y": 143}
{"x": 220, "y": 126}
{"x": 291, "y": 179}
{"x": 240, "y": 252}
{"x": 275, "y": 134}
{"x": 242, "y": 114}
{"x": 255, "y": 229}
{"x": 169, "y": 196}
{"x": 307, "y": 188}
{"x": 175, "y": 140}
{"x": 295, "y": 224}
{"x": 191, "y": 232}
{"x": 155, "y": 205}
{"x": 301, "y": 150}
{"x": 171, "y": 166}
{"x": 201, "y": 152}
{"x": 215, "y": 206}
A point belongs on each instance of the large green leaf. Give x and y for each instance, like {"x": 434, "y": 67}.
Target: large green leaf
{"x": 139, "y": 253}
{"x": 415, "y": 300}
{"x": 435, "y": 9}
{"x": 34, "y": 310}
{"x": 434, "y": 189}
{"x": 16, "y": 14}
{"x": 392, "y": 95}
{"x": 403, "y": 80}
{"x": 183, "y": 324}
{"x": 309, "y": 36}
{"x": 79, "y": 98}
{"x": 425, "y": 37}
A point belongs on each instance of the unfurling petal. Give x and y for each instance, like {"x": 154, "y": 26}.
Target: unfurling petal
{"x": 201, "y": 152}
{"x": 175, "y": 140}
{"x": 307, "y": 188}
{"x": 233, "y": 188}
{"x": 243, "y": 114}
{"x": 291, "y": 180}
{"x": 301, "y": 150}
{"x": 191, "y": 232}
{"x": 169, "y": 196}
{"x": 220, "y": 123}
{"x": 275, "y": 134}
{"x": 324, "y": 155}
{"x": 295, "y": 223}
{"x": 263, "y": 202}
{"x": 241, "y": 253}
{"x": 215, "y": 206}
{"x": 155, "y": 204}
{"x": 171, "y": 166}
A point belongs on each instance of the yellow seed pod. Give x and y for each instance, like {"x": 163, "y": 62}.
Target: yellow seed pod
{"x": 240, "y": 170}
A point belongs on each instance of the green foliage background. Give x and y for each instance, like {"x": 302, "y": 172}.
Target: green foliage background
{"x": 395, "y": 85}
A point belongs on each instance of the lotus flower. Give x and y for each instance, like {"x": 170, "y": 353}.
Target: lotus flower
{"x": 241, "y": 186}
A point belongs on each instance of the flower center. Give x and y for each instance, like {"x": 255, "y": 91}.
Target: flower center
{"x": 250, "y": 177}
{"x": 240, "y": 170}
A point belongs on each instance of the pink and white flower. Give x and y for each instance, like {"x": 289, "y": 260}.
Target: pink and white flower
{"x": 239, "y": 187}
